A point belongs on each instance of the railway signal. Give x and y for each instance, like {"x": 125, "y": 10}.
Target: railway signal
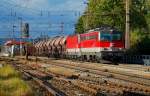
{"x": 25, "y": 30}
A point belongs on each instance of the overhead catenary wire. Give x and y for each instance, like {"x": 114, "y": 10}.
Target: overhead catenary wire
{"x": 15, "y": 12}
{"x": 41, "y": 12}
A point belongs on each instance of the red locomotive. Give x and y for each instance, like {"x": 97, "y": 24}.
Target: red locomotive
{"x": 95, "y": 45}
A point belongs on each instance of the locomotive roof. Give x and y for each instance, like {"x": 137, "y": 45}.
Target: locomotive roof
{"x": 105, "y": 30}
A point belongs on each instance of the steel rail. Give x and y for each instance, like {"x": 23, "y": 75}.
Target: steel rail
{"x": 43, "y": 83}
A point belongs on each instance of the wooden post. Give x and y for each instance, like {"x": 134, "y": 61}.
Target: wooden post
{"x": 127, "y": 31}
{"x": 27, "y": 52}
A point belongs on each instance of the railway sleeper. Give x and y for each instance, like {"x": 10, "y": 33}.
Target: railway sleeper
{"x": 73, "y": 77}
{"x": 105, "y": 93}
{"x": 52, "y": 91}
{"x": 99, "y": 81}
{"x": 130, "y": 88}
{"x": 27, "y": 77}
{"x": 125, "y": 88}
{"x": 85, "y": 88}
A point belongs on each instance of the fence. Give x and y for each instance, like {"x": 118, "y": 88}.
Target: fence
{"x": 137, "y": 59}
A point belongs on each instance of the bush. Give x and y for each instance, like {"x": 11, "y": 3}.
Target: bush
{"x": 11, "y": 83}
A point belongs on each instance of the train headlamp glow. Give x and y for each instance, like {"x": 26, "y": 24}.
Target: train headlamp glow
{"x": 120, "y": 48}
{"x": 111, "y": 44}
{"x": 104, "y": 48}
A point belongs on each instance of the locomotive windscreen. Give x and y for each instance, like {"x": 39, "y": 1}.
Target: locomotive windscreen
{"x": 110, "y": 36}
{"x": 116, "y": 36}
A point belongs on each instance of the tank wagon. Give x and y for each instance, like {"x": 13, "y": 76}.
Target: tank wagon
{"x": 95, "y": 45}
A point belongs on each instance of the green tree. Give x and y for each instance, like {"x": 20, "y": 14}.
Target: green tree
{"x": 79, "y": 26}
{"x": 112, "y": 13}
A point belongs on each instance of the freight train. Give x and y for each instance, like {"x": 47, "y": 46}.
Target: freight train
{"x": 95, "y": 45}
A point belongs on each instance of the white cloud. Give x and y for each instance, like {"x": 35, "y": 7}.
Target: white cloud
{"x": 30, "y": 10}
{"x": 32, "y": 3}
{"x": 75, "y": 5}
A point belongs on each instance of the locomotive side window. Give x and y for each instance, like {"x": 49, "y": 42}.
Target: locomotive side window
{"x": 82, "y": 38}
{"x": 116, "y": 36}
{"x": 105, "y": 37}
{"x": 110, "y": 37}
{"x": 92, "y": 37}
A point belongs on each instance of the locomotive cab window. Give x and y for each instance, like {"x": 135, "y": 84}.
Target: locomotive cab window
{"x": 116, "y": 36}
{"x": 82, "y": 38}
{"x": 110, "y": 37}
{"x": 105, "y": 37}
{"x": 91, "y": 37}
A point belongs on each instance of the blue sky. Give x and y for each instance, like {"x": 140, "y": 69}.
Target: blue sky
{"x": 44, "y": 16}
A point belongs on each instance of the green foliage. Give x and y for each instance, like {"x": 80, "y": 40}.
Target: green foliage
{"x": 79, "y": 26}
{"x": 112, "y": 13}
{"x": 135, "y": 37}
{"x": 142, "y": 45}
{"x": 138, "y": 14}
{"x": 7, "y": 71}
{"x": 103, "y": 12}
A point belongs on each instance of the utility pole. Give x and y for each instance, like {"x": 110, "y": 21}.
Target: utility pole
{"x": 127, "y": 31}
{"x": 62, "y": 28}
{"x": 13, "y": 40}
{"x": 21, "y": 46}
{"x": 87, "y": 17}
{"x": 13, "y": 32}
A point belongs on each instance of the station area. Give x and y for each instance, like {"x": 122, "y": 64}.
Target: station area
{"x": 75, "y": 48}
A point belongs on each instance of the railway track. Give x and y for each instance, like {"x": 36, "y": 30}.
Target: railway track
{"x": 137, "y": 78}
{"x": 121, "y": 76}
{"x": 52, "y": 91}
{"x": 139, "y": 81}
{"x": 120, "y": 66}
{"x": 137, "y": 68}
{"x": 90, "y": 87}
{"x": 145, "y": 68}
{"x": 111, "y": 76}
{"x": 124, "y": 66}
{"x": 105, "y": 84}
{"x": 43, "y": 79}
{"x": 133, "y": 67}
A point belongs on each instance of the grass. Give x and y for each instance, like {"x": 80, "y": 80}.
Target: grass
{"x": 11, "y": 83}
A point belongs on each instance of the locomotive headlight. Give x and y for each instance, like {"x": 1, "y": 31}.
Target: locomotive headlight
{"x": 105, "y": 49}
{"x": 120, "y": 48}
{"x": 111, "y": 45}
